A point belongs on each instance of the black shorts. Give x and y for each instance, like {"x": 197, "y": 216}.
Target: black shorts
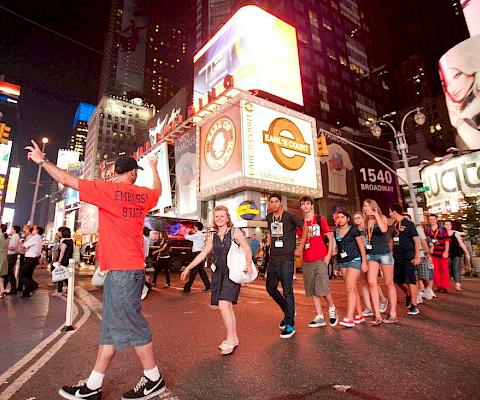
{"x": 404, "y": 272}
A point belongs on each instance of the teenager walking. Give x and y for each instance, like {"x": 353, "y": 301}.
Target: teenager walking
{"x": 198, "y": 243}
{"x": 225, "y": 292}
{"x": 456, "y": 251}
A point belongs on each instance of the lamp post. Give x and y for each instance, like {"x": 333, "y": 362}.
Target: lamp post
{"x": 402, "y": 148}
{"x": 37, "y": 183}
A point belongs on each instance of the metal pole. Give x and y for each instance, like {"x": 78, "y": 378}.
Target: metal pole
{"x": 70, "y": 293}
{"x": 35, "y": 192}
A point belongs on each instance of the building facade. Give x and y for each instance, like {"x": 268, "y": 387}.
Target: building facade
{"x": 78, "y": 140}
{"x": 116, "y": 127}
{"x": 339, "y": 83}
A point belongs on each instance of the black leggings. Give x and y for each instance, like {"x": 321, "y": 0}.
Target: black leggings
{"x": 162, "y": 263}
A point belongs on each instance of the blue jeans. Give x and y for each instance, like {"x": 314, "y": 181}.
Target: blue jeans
{"x": 455, "y": 268}
{"x": 282, "y": 271}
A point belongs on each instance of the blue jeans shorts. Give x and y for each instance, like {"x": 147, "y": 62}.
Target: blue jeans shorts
{"x": 382, "y": 259}
{"x": 123, "y": 324}
{"x": 355, "y": 264}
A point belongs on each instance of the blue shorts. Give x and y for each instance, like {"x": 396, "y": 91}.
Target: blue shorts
{"x": 354, "y": 264}
{"x": 382, "y": 259}
{"x": 123, "y": 324}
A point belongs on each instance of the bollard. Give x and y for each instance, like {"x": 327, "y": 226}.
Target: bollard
{"x": 70, "y": 294}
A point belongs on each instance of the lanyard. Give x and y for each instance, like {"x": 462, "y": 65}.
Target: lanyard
{"x": 369, "y": 233}
{"x": 396, "y": 226}
{"x": 435, "y": 234}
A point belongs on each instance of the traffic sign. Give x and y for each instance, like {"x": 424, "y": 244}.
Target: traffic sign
{"x": 422, "y": 189}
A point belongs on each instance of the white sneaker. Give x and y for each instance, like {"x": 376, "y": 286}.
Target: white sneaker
{"x": 318, "y": 321}
{"x": 383, "y": 306}
{"x": 419, "y": 298}
{"x": 428, "y": 294}
{"x": 367, "y": 312}
{"x": 145, "y": 291}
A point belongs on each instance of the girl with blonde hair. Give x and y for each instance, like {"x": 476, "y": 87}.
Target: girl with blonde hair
{"x": 379, "y": 255}
{"x": 225, "y": 292}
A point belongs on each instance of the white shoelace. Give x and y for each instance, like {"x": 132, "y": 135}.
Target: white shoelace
{"x": 143, "y": 381}
{"x": 81, "y": 383}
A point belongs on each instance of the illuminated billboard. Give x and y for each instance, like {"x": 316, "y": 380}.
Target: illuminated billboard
{"x": 259, "y": 50}
{"x": 5, "y": 150}
{"x": 66, "y": 157}
{"x": 471, "y": 12}
{"x": 460, "y": 72}
{"x": 145, "y": 176}
{"x": 7, "y": 216}
{"x": 257, "y": 144}
{"x": 12, "y": 184}
{"x": 10, "y": 90}
{"x": 452, "y": 179}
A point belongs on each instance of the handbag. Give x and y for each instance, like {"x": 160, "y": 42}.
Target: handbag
{"x": 98, "y": 277}
{"x": 59, "y": 273}
{"x": 237, "y": 264}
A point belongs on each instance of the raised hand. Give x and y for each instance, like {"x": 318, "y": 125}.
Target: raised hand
{"x": 34, "y": 153}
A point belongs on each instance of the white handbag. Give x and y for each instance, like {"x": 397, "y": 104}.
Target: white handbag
{"x": 98, "y": 277}
{"x": 59, "y": 273}
{"x": 237, "y": 264}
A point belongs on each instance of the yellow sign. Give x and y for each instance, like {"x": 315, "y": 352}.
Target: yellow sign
{"x": 277, "y": 142}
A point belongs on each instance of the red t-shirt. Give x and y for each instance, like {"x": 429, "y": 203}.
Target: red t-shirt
{"x": 318, "y": 250}
{"x": 122, "y": 210}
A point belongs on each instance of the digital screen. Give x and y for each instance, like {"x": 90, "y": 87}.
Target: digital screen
{"x": 259, "y": 50}
{"x": 460, "y": 71}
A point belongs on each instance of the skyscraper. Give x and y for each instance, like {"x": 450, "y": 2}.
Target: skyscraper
{"x": 148, "y": 50}
{"x": 78, "y": 139}
{"x": 338, "y": 80}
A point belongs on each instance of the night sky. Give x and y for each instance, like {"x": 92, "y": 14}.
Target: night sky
{"x": 55, "y": 74}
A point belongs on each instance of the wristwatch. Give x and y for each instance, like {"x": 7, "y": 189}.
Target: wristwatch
{"x": 43, "y": 161}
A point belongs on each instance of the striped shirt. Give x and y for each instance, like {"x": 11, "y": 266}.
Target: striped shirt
{"x": 439, "y": 237}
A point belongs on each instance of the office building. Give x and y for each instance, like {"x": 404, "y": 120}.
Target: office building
{"x": 78, "y": 140}
{"x": 148, "y": 51}
{"x": 339, "y": 82}
{"x": 116, "y": 127}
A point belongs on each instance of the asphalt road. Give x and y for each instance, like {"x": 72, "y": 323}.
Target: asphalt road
{"x": 430, "y": 356}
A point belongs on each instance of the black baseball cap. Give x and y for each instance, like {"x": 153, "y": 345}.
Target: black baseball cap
{"x": 126, "y": 163}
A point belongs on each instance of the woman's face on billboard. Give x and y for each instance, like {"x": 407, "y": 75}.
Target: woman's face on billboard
{"x": 458, "y": 84}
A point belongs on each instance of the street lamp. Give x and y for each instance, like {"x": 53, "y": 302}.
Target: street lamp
{"x": 402, "y": 148}
{"x": 37, "y": 183}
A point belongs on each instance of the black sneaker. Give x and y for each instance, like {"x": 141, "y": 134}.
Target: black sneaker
{"x": 80, "y": 391}
{"x": 408, "y": 302}
{"x": 145, "y": 389}
{"x": 413, "y": 310}
{"x": 282, "y": 325}
{"x": 288, "y": 332}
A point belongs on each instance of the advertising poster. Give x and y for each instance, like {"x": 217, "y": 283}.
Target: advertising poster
{"x": 59, "y": 215}
{"x": 5, "y": 150}
{"x": 263, "y": 57}
{"x": 12, "y": 185}
{"x": 220, "y": 149}
{"x": 460, "y": 75}
{"x": 338, "y": 176}
{"x": 451, "y": 180}
{"x": 145, "y": 177}
{"x": 278, "y": 147}
{"x": 133, "y": 43}
{"x": 186, "y": 174}
{"x": 373, "y": 180}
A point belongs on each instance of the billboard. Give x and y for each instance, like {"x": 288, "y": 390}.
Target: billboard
{"x": 84, "y": 113}
{"x": 186, "y": 174}
{"x": 452, "y": 179}
{"x": 145, "y": 177}
{"x": 59, "y": 215}
{"x": 67, "y": 157}
{"x": 5, "y": 150}
{"x": 259, "y": 50}
{"x": 10, "y": 90}
{"x": 278, "y": 147}
{"x": 12, "y": 184}
{"x": 7, "y": 216}
{"x": 460, "y": 74}
{"x": 132, "y": 47}
{"x": 471, "y": 12}
{"x": 175, "y": 107}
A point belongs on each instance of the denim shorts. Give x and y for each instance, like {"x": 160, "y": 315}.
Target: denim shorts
{"x": 355, "y": 264}
{"x": 382, "y": 259}
{"x": 123, "y": 324}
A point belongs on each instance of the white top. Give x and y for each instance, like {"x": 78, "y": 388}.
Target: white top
{"x": 33, "y": 245}
{"x": 338, "y": 163}
{"x": 13, "y": 246}
{"x": 198, "y": 241}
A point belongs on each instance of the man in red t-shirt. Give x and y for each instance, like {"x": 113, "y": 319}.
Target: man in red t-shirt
{"x": 316, "y": 257}
{"x": 122, "y": 210}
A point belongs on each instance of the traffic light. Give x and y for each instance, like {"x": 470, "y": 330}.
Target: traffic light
{"x": 4, "y": 133}
{"x": 322, "y": 148}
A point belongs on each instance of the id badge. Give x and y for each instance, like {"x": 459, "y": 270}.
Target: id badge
{"x": 343, "y": 254}
{"x": 278, "y": 243}
{"x": 434, "y": 241}
{"x": 396, "y": 240}
{"x": 307, "y": 246}
{"x": 368, "y": 246}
